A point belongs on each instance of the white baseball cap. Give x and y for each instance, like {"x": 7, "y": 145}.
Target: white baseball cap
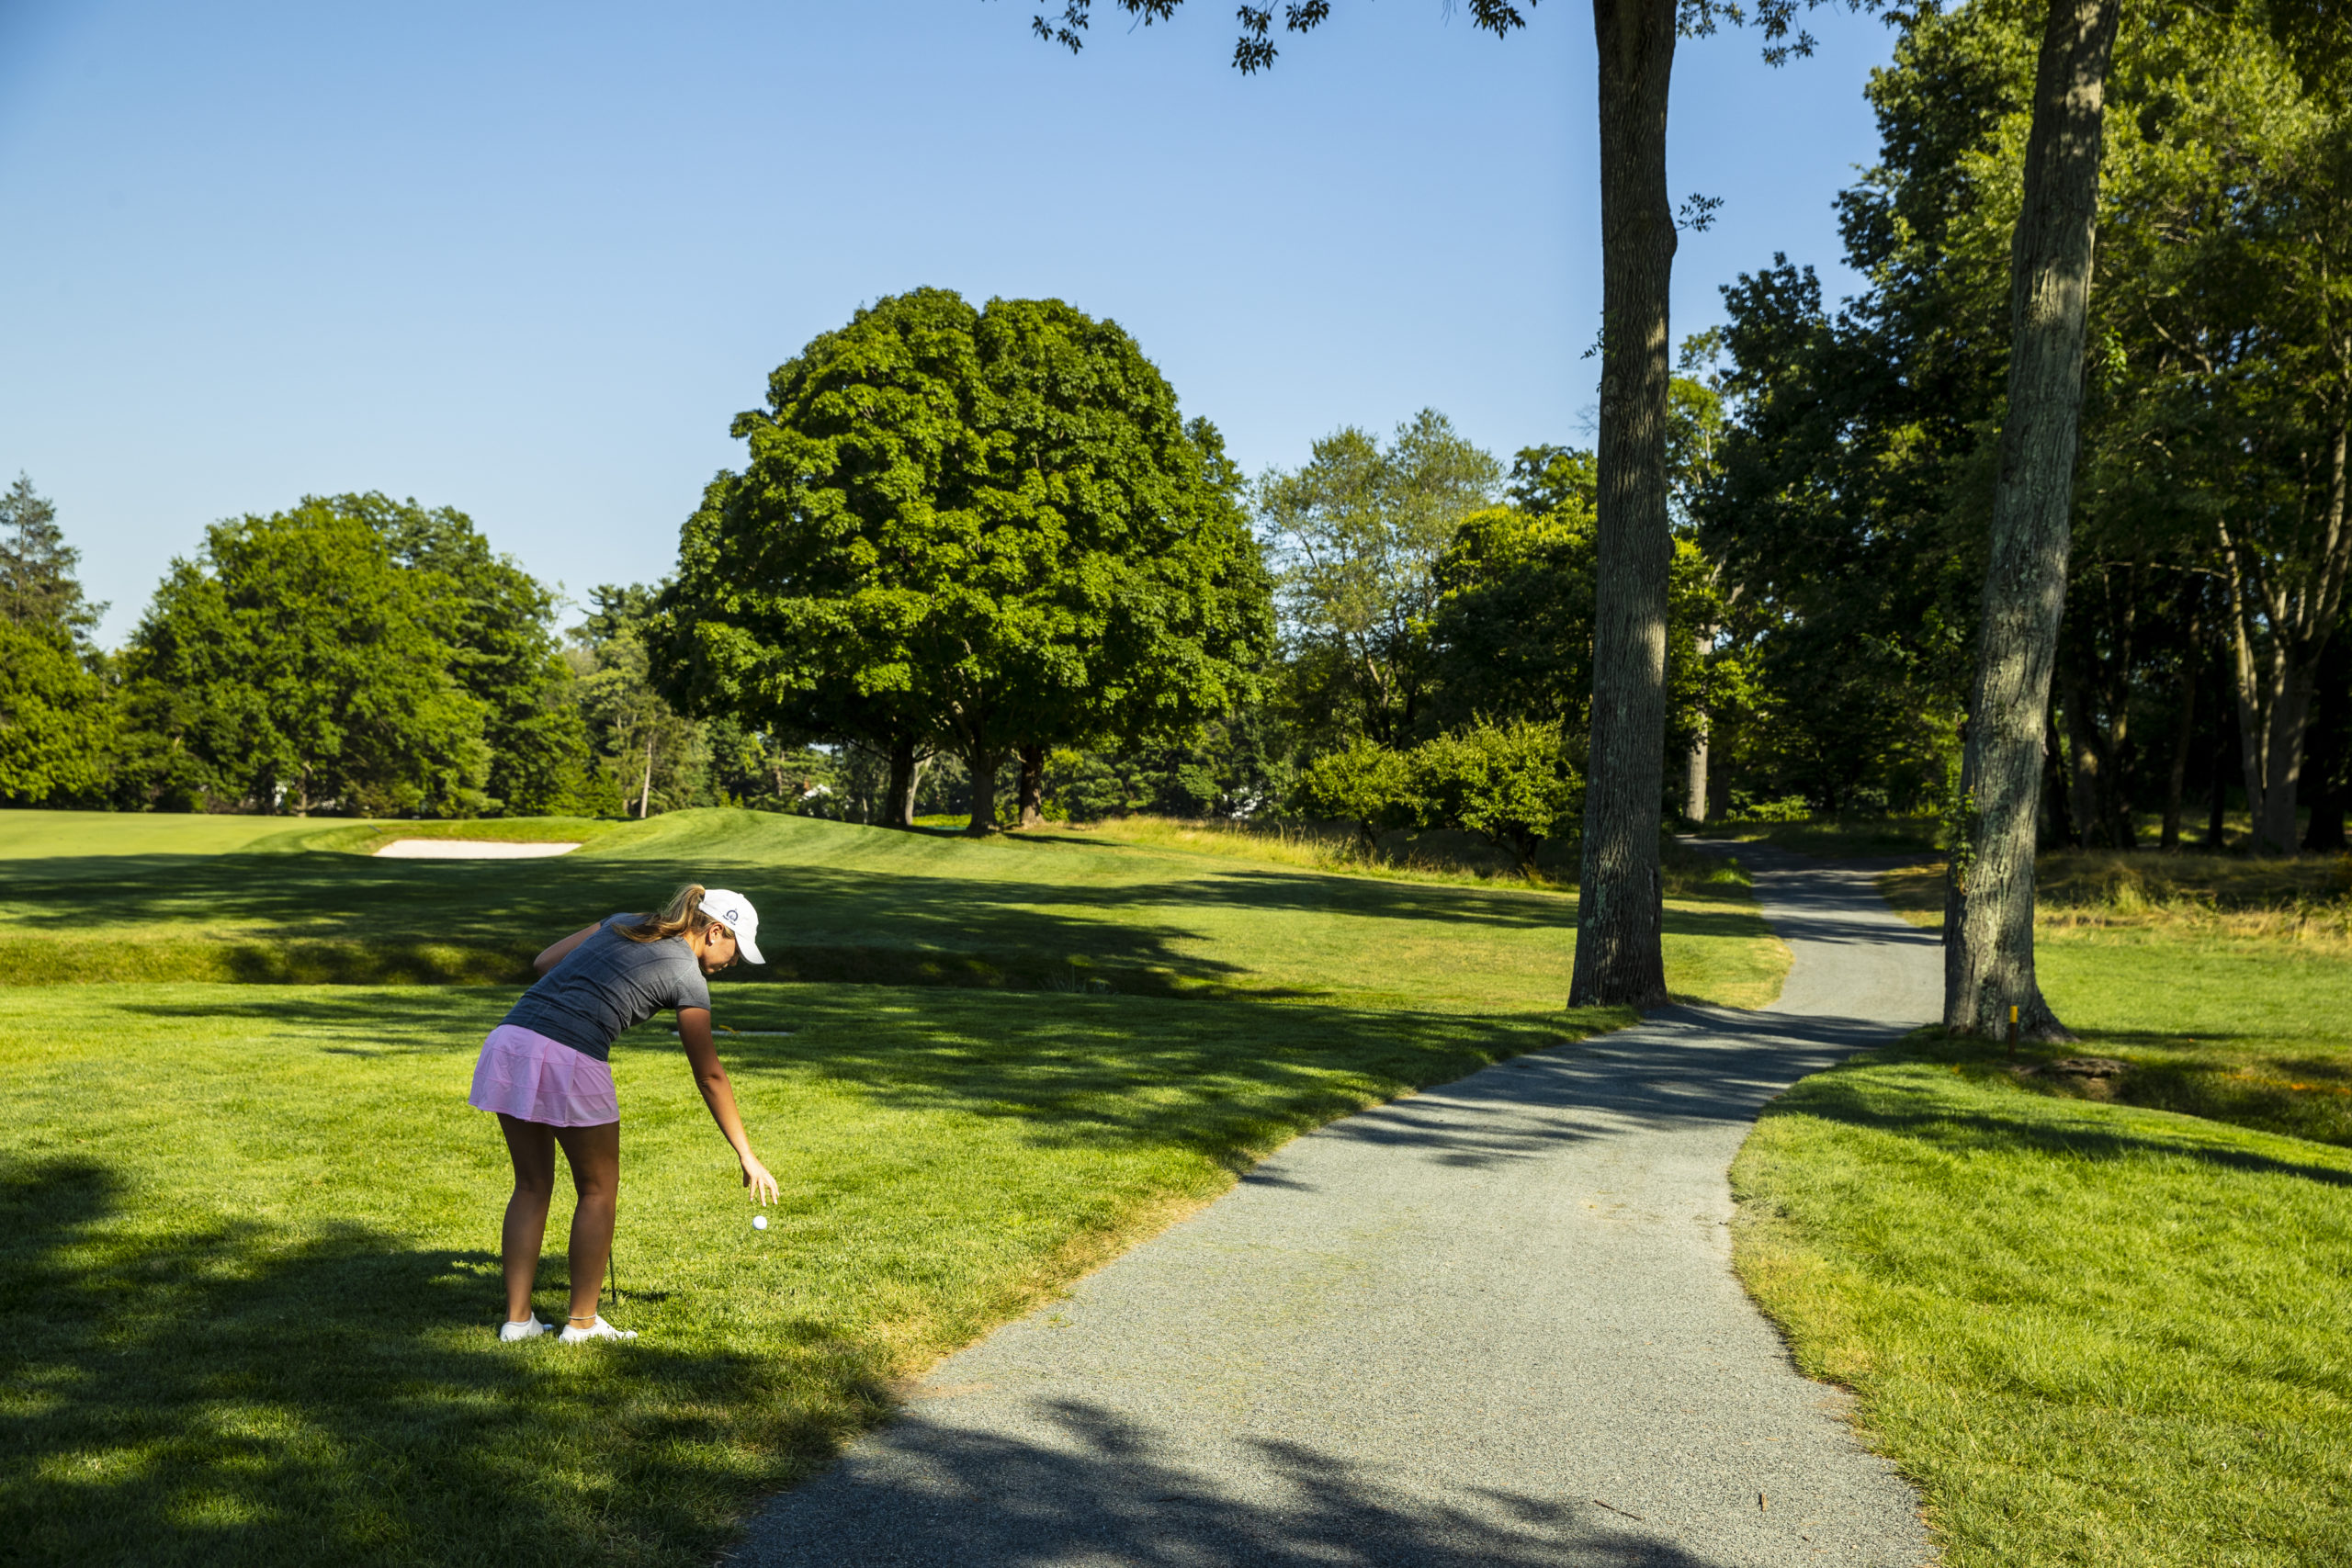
{"x": 735, "y": 912}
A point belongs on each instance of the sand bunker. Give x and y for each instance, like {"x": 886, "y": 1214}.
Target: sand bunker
{"x": 471, "y": 849}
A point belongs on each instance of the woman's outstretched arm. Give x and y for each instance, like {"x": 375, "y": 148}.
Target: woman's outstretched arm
{"x": 719, "y": 1093}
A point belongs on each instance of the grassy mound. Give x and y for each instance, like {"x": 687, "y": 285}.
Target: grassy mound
{"x": 90, "y": 897}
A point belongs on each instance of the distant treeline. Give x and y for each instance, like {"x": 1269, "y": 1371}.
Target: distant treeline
{"x": 352, "y": 656}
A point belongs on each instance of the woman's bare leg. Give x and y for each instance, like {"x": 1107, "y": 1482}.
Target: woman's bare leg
{"x": 594, "y": 1155}
{"x": 531, "y": 1144}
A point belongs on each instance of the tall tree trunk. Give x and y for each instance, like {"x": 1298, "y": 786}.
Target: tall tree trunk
{"x": 898, "y": 801}
{"x": 1694, "y": 768}
{"x": 2061, "y": 831}
{"x": 2083, "y": 756}
{"x": 2245, "y": 690}
{"x": 1988, "y": 947}
{"x": 2325, "y": 744}
{"x": 1619, "y": 906}
{"x": 2299, "y": 617}
{"x": 982, "y": 761}
{"x": 2276, "y": 832}
{"x": 2114, "y": 692}
{"x": 2217, "y": 803}
{"x": 2176, "y": 780}
{"x": 1032, "y": 791}
{"x": 645, "y": 784}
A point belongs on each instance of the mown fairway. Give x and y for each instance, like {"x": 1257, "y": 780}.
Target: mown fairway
{"x": 93, "y": 896}
{"x": 247, "y": 1231}
{"x": 2095, "y": 1333}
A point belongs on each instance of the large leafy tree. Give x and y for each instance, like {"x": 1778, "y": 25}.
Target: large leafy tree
{"x": 1878, "y": 455}
{"x": 985, "y": 530}
{"x": 1510, "y": 631}
{"x": 38, "y": 586}
{"x": 57, "y": 720}
{"x": 1829, "y": 510}
{"x": 498, "y": 622}
{"x": 2231, "y": 219}
{"x": 295, "y": 666}
{"x": 58, "y": 726}
{"x": 1357, "y": 533}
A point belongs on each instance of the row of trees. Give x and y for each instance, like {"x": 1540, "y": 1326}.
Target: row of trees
{"x": 2245, "y": 176}
{"x": 987, "y": 534}
{"x": 2202, "y": 651}
{"x": 353, "y": 655}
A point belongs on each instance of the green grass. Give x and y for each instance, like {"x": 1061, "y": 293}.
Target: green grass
{"x": 247, "y": 1230}
{"x": 2095, "y": 1333}
{"x": 113, "y": 900}
{"x": 2223, "y": 984}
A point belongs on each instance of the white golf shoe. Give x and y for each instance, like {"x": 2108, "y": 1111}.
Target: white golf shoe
{"x": 530, "y": 1328}
{"x": 574, "y": 1334}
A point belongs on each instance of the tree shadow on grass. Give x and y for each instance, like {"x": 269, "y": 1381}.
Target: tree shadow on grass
{"x": 1096, "y": 1488}
{"x": 337, "y": 919}
{"x": 217, "y": 1395}
{"x": 1226, "y": 1077}
{"x": 1854, "y": 1095}
{"x": 330, "y": 895}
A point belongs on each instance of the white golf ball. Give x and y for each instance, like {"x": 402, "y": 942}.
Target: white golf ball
{"x": 759, "y": 1221}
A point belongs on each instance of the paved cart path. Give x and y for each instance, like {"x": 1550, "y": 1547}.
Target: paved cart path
{"x": 1493, "y": 1324}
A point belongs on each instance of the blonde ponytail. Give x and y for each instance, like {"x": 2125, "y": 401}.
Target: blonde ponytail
{"x": 681, "y": 916}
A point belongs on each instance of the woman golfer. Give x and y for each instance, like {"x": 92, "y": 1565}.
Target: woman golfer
{"x": 544, "y": 1071}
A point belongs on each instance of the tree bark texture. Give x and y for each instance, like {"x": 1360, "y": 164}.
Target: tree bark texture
{"x": 1989, "y": 940}
{"x": 1619, "y": 958}
{"x": 982, "y": 760}
{"x": 1032, "y": 793}
{"x": 899, "y": 803}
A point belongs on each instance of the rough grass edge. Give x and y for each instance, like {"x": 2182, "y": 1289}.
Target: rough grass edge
{"x": 1784, "y": 1274}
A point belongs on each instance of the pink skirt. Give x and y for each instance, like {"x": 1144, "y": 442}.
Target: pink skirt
{"x": 529, "y": 1076}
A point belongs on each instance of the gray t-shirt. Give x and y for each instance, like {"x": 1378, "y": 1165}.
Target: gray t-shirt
{"x": 608, "y": 984}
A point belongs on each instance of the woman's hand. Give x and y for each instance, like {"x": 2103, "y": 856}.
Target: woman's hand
{"x": 757, "y": 1178}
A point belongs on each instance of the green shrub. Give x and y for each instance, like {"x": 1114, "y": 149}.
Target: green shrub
{"x": 1367, "y": 784}
{"x": 1507, "y": 783}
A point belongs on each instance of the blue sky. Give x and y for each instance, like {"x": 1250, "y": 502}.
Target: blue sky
{"x": 528, "y": 259}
